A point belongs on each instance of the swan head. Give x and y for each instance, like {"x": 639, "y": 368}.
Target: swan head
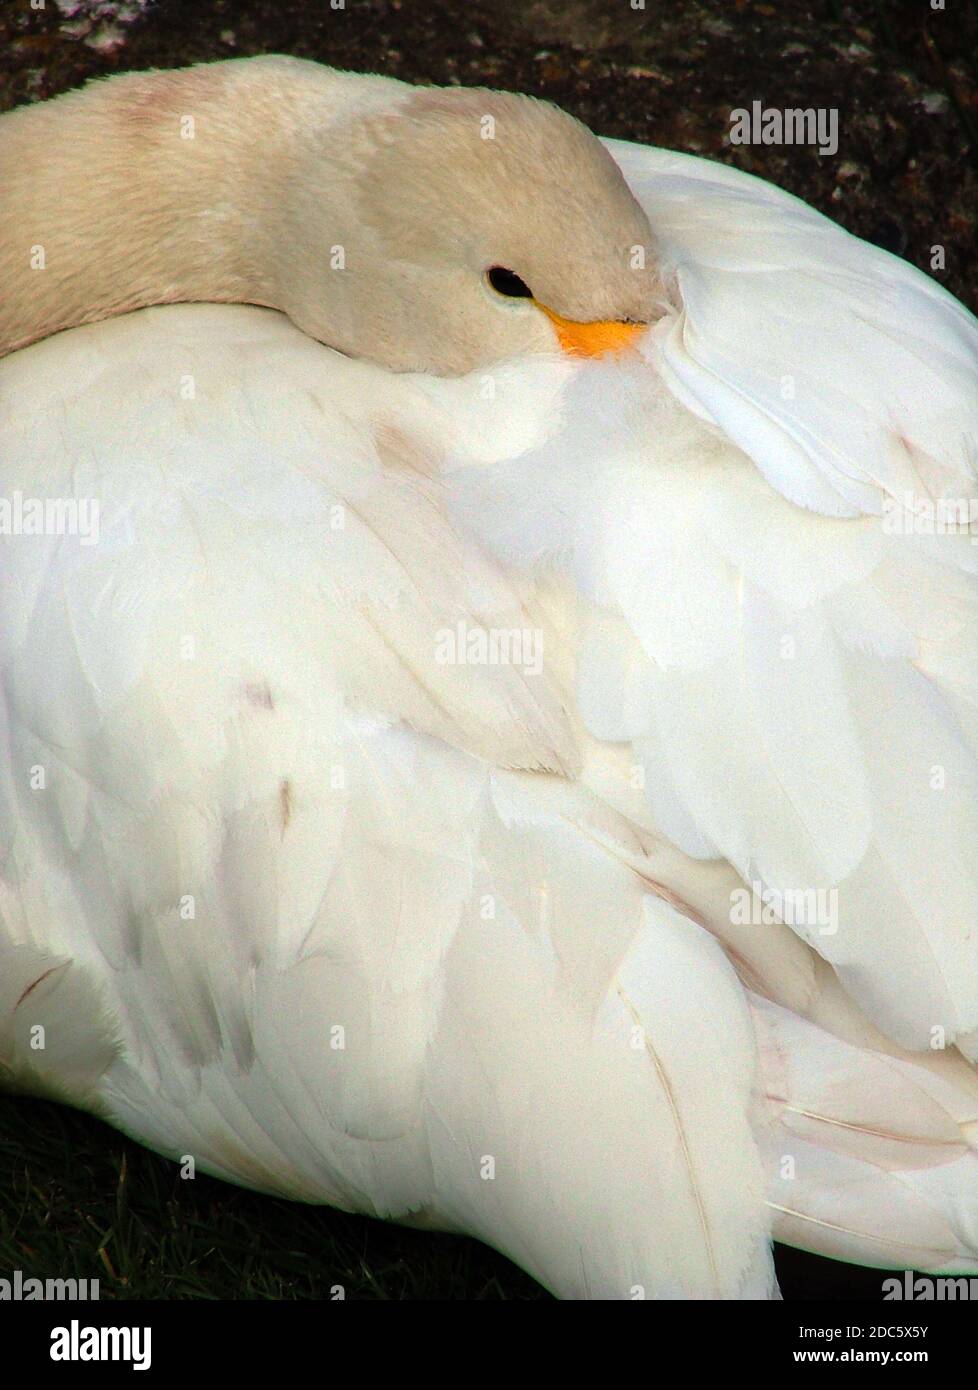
{"x": 476, "y": 226}
{"x": 437, "y": 230}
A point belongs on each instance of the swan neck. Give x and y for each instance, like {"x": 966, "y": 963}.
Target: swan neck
{"x": 150, "y": 188}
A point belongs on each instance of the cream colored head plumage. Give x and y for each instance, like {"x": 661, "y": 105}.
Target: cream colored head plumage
{"x": 424, "y": 229}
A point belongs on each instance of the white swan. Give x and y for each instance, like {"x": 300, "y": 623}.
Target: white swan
{"x": 377, "y": 784}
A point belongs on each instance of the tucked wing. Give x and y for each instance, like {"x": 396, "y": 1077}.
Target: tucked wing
{"x": 776, "y": 613}
{"x": 868, "y": 1157}
{"x": 843, "y": 372}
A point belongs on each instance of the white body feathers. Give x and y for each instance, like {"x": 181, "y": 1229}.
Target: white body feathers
{"x": 452, "y": 940}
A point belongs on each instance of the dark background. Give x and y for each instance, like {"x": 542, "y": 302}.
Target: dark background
{"x": 76, "y": 1198}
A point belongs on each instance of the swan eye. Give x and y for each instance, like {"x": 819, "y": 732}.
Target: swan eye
{"x": 503, "y": 281}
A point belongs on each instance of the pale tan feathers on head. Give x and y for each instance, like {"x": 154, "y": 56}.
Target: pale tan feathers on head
{"x": 455, "y": 181}
{"x": 496, "y": 176}
{"x": 367, "y": 210}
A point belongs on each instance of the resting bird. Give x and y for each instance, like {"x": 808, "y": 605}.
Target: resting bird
{"x": 488, "y": 740}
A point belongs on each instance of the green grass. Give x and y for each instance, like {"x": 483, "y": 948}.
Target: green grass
{"x": 79, "y": 1200}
